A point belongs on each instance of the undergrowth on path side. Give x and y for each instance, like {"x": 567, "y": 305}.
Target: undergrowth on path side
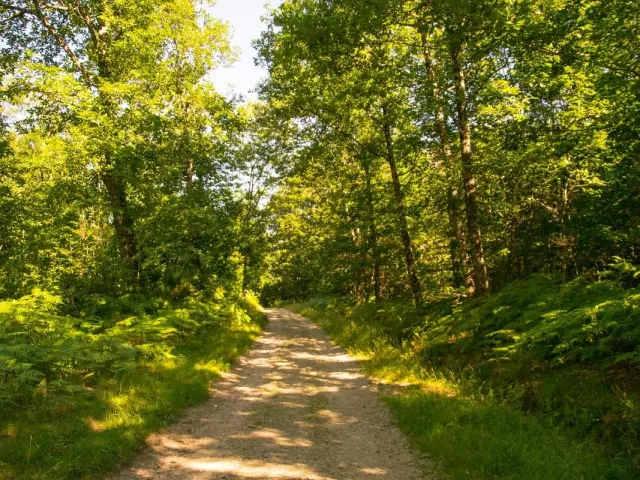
{"x": 470, "y": 424}
{"x": 91, "y": 403}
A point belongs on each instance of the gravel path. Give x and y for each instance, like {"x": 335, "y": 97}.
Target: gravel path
{"x": 296, "y": 407}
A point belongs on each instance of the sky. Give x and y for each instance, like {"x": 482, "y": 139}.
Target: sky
{"x": 246, "y": 25}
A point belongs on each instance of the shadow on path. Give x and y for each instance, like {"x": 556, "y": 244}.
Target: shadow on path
{"x": 296, "y": 407}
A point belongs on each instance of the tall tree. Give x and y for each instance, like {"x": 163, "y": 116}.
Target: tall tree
{"x": 122, "y": 53}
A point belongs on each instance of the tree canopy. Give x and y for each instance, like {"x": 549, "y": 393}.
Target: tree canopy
{"x": 453, "y": 145}
{"x": 418, "y": 148}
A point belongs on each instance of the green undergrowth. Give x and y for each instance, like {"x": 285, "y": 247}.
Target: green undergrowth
{"x": 79, "y": 395}
{"x": 536, "y": 382}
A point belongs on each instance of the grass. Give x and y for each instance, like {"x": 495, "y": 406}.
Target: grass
{"x": 480, "y": 440}
{"x": 485, "y": 404}
{"x": 81, "y": 433}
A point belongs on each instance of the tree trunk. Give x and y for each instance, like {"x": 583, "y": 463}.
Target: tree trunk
{"x": 189, "y": 172}
{"x": 409, "y": 255}
{"x": 457, "y": 241}
{"x": 245, "y": 275}
{"x": 189, "y": 166}
{"x": 116, "y": 187}
{"x": 373, "y": 234}
{"x": 466, "y": 156}
{"x": 122, "y": 222}
{"x": 99, "y": 35}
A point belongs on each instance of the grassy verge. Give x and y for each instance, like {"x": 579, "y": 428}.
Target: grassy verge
{"x": 470, "y": 413}
{"x": 92, "y": 423}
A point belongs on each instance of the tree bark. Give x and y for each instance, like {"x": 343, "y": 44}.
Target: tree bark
{"x": 409, "y": 254}
{"x": 373, "y": 234}
{"x": 116, "y": 188}
{"x": 245, "y": 275}
{"x": 122, "y": 222}
{"x": 189, "y": 172}
{"x": 466, "y": 156}
{"x": 189, "y": 166}
{"x": 457, "y": 239}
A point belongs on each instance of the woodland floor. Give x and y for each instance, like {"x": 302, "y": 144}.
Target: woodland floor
{"x": 296, "y": 407}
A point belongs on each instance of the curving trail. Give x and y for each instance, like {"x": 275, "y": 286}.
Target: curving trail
{"x": 296, "y": 407}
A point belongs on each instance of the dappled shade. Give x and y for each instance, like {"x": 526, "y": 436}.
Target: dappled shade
{"x": 296, "y": 407}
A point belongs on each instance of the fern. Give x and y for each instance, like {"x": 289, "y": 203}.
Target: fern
{"x": 29, "y": 376}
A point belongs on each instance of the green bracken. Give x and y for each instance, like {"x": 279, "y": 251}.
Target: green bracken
{"x": 536, "y": 382}
{"x": 77, "y": 404}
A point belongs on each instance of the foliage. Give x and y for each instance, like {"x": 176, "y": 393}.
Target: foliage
{"x": 119, "y": 167}
{"x": 433, "y": 151}
{"x": 448, "y": 150}
{"x": 555, "y": 324}
{"x": 510, "y": 129}
{"x": 78, "y": 395}
{"x": 124, "y": 249}
{"x": 483, "y": 410}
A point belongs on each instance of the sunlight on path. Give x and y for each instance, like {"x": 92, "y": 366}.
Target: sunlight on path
{"x": 296, "y": 407}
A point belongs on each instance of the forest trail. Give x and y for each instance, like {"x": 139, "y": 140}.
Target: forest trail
{"x": 296, "y": 407}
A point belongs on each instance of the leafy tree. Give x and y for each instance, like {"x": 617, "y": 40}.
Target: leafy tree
{"x": 105, "y": 100}
{"x": 526, "y": 108}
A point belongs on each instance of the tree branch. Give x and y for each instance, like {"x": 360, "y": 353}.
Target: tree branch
{"x": 62, "y": 43}
{"x": 21, "y": 10}
{"x": 15, "y": 15}
{"x": 52, "y": 6}
{"x": 84, "y": 16}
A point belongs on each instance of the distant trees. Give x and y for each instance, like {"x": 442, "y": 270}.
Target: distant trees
{"x": 518, "y": 106}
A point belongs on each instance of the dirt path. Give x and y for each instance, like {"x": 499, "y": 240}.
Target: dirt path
{"x": 296, "y": 407}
